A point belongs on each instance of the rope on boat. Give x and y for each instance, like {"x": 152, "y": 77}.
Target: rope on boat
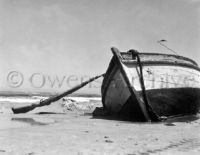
{"x": 154, "y": 116}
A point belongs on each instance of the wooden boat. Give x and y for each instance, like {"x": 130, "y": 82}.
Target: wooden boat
{"x": 151, "y": 86}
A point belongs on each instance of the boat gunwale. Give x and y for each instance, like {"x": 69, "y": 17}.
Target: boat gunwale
{"x": 162, "y": 54}
{"x": 160, "y": 63}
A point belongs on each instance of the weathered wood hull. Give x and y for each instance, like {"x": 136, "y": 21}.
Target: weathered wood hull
{"x": 172, "y": 86}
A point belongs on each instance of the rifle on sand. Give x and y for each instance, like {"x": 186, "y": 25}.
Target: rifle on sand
{"x": 49, "y": 100}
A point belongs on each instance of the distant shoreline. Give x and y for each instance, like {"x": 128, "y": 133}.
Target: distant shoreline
{"x": 44, "y": 94}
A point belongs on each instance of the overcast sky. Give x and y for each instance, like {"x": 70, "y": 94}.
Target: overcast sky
{"x": 64, "y": 37}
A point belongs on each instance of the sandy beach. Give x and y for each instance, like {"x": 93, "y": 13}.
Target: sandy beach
{"x": 72, "y": 129}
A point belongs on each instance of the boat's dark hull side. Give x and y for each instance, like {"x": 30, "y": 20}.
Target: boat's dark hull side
{"x": 131, "y": 111}
{"x": 174, "y": 101}
{"x": 165, "y": 102}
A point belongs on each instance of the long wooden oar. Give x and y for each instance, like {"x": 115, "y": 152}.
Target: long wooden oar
{"x": 53, "y": 98}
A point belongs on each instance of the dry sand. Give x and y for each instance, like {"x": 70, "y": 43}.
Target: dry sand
{"x": 59, "y": 130}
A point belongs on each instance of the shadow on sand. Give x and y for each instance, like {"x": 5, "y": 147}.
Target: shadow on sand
{"x": 30, "y": 121}
{"x": 100, "y": 113}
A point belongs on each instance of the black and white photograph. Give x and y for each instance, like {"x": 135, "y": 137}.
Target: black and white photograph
{"x": 99, "y": 77}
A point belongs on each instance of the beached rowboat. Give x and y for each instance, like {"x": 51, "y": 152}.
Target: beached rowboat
{"x": 151, "y": 86}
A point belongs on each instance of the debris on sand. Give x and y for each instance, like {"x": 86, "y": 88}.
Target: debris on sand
{"x": 5, "y": 110}
{"x": 70, "y": 104}
{"x": 108, "y": 141}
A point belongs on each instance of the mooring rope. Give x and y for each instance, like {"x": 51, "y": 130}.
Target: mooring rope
{"x": 154, "y": 116}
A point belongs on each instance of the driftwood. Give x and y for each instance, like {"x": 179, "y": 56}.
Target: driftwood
{"x": 49, "y": 100}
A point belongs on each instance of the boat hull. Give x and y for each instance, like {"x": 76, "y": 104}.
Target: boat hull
{"x": 171, "y": 89}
